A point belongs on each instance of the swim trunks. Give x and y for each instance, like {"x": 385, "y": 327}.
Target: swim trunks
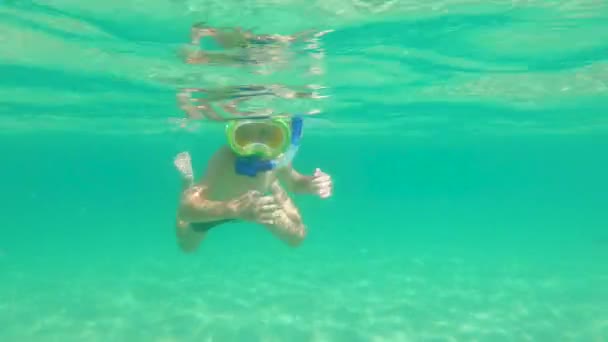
{"x": 203, "y": 227}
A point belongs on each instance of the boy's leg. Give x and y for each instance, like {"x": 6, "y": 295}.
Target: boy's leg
{"x": 187, "y": 238}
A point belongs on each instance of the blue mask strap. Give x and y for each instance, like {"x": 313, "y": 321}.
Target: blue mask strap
{"x": 251, "y": 166}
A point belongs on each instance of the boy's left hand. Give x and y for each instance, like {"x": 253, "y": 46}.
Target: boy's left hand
{"x": 321, "y": 184}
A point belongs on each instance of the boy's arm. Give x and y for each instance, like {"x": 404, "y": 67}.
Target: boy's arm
{"x": 196, "y": 207}
{"x": 286, "y": 203}
{"x": 294, "y": 181}
{"x": 289, "y": 227}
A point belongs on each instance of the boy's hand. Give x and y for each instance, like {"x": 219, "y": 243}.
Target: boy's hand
{"x": 321, "y": 184}
{"x": 255, "y": 207}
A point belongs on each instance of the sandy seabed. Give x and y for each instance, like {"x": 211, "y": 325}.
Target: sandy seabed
{"x": 325, "y": 296}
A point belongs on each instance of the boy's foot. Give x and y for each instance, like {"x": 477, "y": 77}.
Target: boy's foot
{"x": 183, "y": 164}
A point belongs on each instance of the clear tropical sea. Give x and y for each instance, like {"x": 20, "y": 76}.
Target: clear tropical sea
{"x": 467, "y": 142}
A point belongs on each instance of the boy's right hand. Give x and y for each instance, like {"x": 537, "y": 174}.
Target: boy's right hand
{"x": 255, "y": 207}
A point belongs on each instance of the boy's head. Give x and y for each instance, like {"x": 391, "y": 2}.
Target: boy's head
{"x": 262, "y": 138}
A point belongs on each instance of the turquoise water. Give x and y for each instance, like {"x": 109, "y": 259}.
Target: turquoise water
{"x": 467, "y": 142}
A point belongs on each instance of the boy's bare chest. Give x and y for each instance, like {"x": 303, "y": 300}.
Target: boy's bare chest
{"x": 231, "y": 185}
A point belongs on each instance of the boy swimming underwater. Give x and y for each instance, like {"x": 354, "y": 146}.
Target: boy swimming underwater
{"x": 243, "y": 182}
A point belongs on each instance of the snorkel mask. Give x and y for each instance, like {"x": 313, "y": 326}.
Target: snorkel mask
{"x": 265, "y": 139}
{"x": 263, "y": 145}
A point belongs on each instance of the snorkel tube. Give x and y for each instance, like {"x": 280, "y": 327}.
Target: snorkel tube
{"x": 251, "y": 166}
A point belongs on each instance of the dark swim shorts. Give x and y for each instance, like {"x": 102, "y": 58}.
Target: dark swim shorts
{"x": 203, "y": 227}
